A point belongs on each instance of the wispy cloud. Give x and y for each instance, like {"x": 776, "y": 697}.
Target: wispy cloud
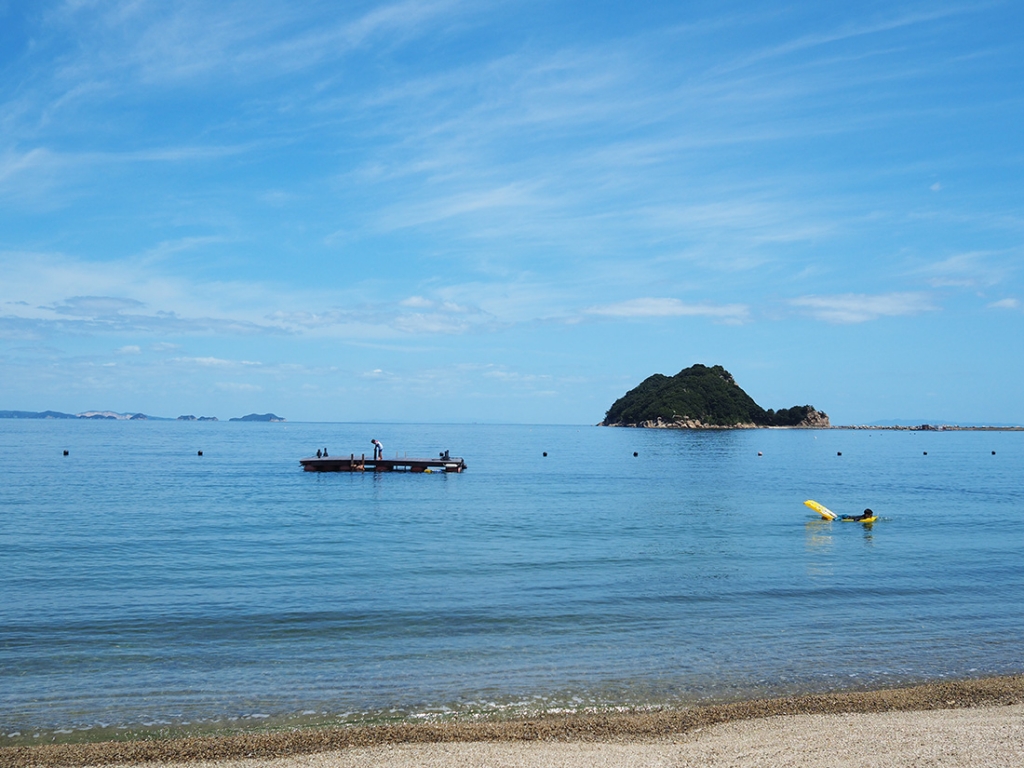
{"x": 415, "y": 315}
{"x": 95, "y": 307}
{"x": 662, "y": 307}
{"x": 458, "y": 204}
{"x": 28, "y": 175}
{"x": 160, "y": 44}
{"x": 860, "y": 308}
{"x": 1005, "y": 304}
{"x": 215, "y": 362}
{"x": 59, "y": 295}
{"x": 896, "y": 20}
{"x": 974, "y": 269}
{"x": 238, "y": 386}
{"x": 176, "y": 306}
{"x": 48, "y": 178}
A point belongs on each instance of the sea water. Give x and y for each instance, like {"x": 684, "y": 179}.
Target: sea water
{"x": 145, "y": 586}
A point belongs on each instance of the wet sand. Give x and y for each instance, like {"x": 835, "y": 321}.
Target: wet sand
{"x": 962, "y": 723}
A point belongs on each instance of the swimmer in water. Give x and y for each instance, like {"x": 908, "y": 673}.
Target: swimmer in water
{"x": 864, "y": 516}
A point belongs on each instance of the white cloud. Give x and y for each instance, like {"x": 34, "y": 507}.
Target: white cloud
{"x": 415, "y": 315}
{"x": 131, "y": 349}
{"x": 859, "y": 308}
{"x": 417, "y": 302}
{"x": 503, "y": 374}
{"x": 232, "y": 386}
{"x": 160, "y": 44}
{"x": 95, "y": 307}
{"x": 110, "y": 302}
{"x": 660, "y": 307}
{"x": 966, "y": 270}
{"x": 215, "y": 362}
{"x": 12, "y": 164}
{"x": 461, "y": 203}
{"x": 44, "y": 178}
{"x": 1005, "y": 304}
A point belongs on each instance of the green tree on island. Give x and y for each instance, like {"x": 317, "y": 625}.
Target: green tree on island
{"x": 702, "y": 396}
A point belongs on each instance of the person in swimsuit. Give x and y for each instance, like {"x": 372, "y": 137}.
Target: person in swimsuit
{"x": 864, "y": 516}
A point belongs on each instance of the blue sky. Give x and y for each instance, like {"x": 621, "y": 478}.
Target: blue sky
{"x": 447, "y": 211}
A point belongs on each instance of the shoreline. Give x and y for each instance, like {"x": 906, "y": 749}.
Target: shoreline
{"x": 573, "y": 728}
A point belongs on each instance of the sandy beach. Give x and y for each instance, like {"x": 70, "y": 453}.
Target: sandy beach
{"x": 986, "y": 737}
{"x": 962, "y": 723}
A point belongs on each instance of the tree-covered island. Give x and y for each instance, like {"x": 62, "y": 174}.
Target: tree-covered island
{"x": 699, "y": 397}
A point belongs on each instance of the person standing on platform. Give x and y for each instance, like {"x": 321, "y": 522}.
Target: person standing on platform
{"x": 378, "y": 449}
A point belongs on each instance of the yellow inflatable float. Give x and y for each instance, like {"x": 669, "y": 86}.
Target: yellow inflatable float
{"x": 821, "y": 509}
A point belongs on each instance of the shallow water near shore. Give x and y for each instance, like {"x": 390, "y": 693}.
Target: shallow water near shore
{"x": 147, "y": 589}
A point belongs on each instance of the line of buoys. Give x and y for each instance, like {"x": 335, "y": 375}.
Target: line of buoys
{"x": 840, "y": 453}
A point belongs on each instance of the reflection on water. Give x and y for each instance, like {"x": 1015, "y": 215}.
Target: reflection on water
{"x": 869, "y": 538}
{"x": 818, "y": 542}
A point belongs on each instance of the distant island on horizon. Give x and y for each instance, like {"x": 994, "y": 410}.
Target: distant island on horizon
{"x": 700, "y": 397}
{"x": 259, "y": 417}
{"x": 115, "y": 416}
{"x": 891, "y": 424}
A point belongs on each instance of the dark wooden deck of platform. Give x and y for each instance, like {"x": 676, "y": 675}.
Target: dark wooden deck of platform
{"x": 353, "y": 463}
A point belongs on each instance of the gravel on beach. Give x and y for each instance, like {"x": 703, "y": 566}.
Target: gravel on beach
{"x": 933, "y": 724}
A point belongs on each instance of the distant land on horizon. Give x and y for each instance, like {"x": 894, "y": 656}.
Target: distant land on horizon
{"x": 896, "y": 423}
{"x": 885, "y": 424}
{"x": 115, "y": 416}
{"x": 94, "y": 415}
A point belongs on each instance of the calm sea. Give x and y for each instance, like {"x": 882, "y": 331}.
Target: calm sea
{"x": 145, "y": 586}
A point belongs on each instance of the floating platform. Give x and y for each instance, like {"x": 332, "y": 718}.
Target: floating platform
{"x": 353, "y": 463}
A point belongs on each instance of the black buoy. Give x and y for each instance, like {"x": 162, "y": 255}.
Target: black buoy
{"x": 200, "y": 453}
{"x": 839, "y": 453}
{"x": 926, "y": 453}
{"x": 545, "y": 454}
{"x": 993, "y": 453}
{"x": 760, "y": 454}
{"x": 635, "y": 454}
{"x": 66, "y": 453}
